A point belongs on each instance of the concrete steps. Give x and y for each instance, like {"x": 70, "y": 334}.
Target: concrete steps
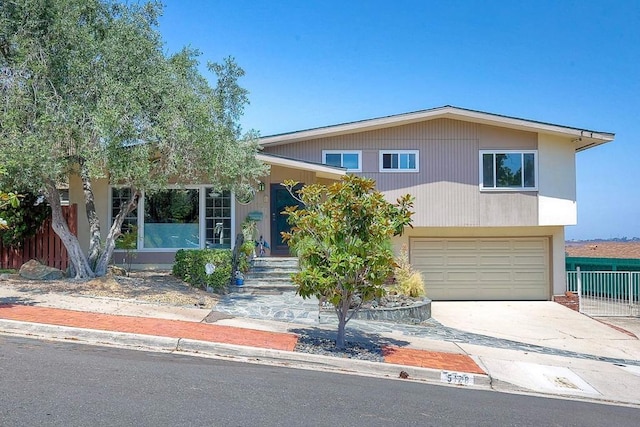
{"x": 269, "y": 275}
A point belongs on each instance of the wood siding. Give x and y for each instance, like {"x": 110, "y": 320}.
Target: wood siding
{"x": 447, "y": 186}
{"x": 45, "y": 247}
{"x": 261, "y": 202}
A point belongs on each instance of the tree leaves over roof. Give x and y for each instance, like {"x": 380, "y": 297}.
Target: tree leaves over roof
{"x": 89, "y": 81}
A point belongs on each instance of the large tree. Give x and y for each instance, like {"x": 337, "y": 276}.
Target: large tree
{"x": 87, "y": 89}
{"x": 342, "y": 237}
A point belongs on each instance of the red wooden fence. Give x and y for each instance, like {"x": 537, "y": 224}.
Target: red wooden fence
{"x": 45, "y": 247}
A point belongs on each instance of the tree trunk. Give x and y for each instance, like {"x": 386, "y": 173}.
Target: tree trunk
{"x": 341, "y": 330}
{"x": 343, "y": 312}
{"x": 61, "y": 228}
{"x": 94, "y": 222}
{"x": 114, "y": 232}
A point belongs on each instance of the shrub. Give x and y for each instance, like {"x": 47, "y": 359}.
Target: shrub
{"x": 408, "y": 281}
{"x": 24, "y": 219}
{"x": 129, "y": 242}
{"x": 245, "y": 255}
{"x": 190, "y": 265}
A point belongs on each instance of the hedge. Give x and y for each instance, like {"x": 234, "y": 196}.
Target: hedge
{"x": 190, "y": 265}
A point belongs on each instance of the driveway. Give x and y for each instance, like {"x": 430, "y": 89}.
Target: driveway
{"x": 543, "y": 323}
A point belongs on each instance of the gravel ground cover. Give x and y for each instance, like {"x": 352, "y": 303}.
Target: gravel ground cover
{"x": 322, "y": 344}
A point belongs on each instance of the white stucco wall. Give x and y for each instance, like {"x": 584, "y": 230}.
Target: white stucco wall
{"x": 556, "y": 181}
{"x": 558, "y": 272}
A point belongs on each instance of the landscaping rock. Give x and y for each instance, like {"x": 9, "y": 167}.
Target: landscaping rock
{"x": 106, "y": 283}
{"x": 33, "y": 270}
{"x": 117, "y": 271}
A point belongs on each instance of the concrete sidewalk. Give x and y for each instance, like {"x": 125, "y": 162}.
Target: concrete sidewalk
{"x": 538, "y": 347}
{"x": 207, "y": 338}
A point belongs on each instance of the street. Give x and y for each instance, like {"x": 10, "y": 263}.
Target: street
{"x": 60, "y": 383}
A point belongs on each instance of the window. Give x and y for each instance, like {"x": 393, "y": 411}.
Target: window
{"x": 64, "y": 196}
{"x": 119, "y": 197}
{"x": 218, "y": 218}
{"x": 508, "y": 170}
{"x": 171, "y": 219}
{"x": 351, "y": 160}
{"x": 399, "y": 161}
{"x": 179, "y": 218}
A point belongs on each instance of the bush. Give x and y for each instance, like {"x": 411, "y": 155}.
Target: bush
{"x": 245, "y": 255}
{"x": 23, "y": 220}
{"x": 408, "y": 281}
{"x": 190, "y": 264}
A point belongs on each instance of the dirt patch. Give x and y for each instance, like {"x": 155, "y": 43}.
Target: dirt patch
{"x": 150, "y": 286}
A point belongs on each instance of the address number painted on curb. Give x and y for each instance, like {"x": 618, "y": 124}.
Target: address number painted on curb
{"x": 458, "y": 378}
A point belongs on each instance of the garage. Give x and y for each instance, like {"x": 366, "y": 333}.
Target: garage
{"x": 483, "y": 268}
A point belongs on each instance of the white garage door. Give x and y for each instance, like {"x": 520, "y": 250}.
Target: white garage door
{"x": 483, "y": 268}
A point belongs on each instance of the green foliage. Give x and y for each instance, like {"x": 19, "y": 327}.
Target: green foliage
{"x": 23, "y": 219}
{"x": 9, "y": 199}
{"x": 129, "y": 242}
{"x": 247, "y": 250}
{"x": 342, "y": 239}
{"x": 87, "y": 88}
{"x": 408, "y": 281}
{"x": 250, "y": 229}
{"x": 246, "y": 254}
{"x": 190, "y": 265}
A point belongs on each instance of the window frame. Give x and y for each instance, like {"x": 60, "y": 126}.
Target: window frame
{"x": 511, "y": 189}
{"x": 381, "y": 154}
{"x": 202, "y": 193}
{"x": 342, "y": 153}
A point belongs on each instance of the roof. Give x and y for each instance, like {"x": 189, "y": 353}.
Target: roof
{"x": 604, "y": 249}
{"x": 583, "y": 138}
{"x": 321, "y": 170}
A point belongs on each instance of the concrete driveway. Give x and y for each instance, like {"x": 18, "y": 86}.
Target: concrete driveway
{"x": 543, "y": 323}
{"x": 553, "y": 326}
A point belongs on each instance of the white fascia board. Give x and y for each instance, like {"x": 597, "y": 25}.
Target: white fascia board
{"x": 320, "y": 170}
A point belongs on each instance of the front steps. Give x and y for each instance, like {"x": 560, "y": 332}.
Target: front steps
{"x": 269, "y": 275}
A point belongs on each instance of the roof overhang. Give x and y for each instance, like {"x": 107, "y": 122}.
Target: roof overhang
{"x": 321, "y": 171}
{"x": 582, "y": 138}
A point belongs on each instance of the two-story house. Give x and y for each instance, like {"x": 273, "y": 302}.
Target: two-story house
{"x": 492, "y": 197}
{"x": 493, "y": 193}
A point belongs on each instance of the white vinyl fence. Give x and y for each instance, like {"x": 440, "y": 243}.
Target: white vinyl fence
{"x": 606, "y": 293}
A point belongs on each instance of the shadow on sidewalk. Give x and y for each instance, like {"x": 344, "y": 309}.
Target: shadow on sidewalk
{"x": 8, "y": 302}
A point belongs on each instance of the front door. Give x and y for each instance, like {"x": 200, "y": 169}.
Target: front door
{"x": 280, "y": 199}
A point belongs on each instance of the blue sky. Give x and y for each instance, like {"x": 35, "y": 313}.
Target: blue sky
{"x": 317, "y": 63}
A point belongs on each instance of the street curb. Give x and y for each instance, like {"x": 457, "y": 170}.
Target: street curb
{"x": 321, "y": 362}
{"x": 89, "y": 336}
{"x": 232, "y": 352}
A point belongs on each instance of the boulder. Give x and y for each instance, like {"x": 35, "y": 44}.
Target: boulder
{"x": 105, "y": 283}
{"x": 33, "y": 270}
{"x": 116, "y": 271}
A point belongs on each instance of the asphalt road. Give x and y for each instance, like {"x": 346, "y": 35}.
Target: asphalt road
{"x": 67, "y": 384}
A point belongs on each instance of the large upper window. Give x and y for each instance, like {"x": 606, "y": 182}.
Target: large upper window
{"x": 399, "y": 161}
{"x": 508, "y": 170}
{"x": 351, "y": 160}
